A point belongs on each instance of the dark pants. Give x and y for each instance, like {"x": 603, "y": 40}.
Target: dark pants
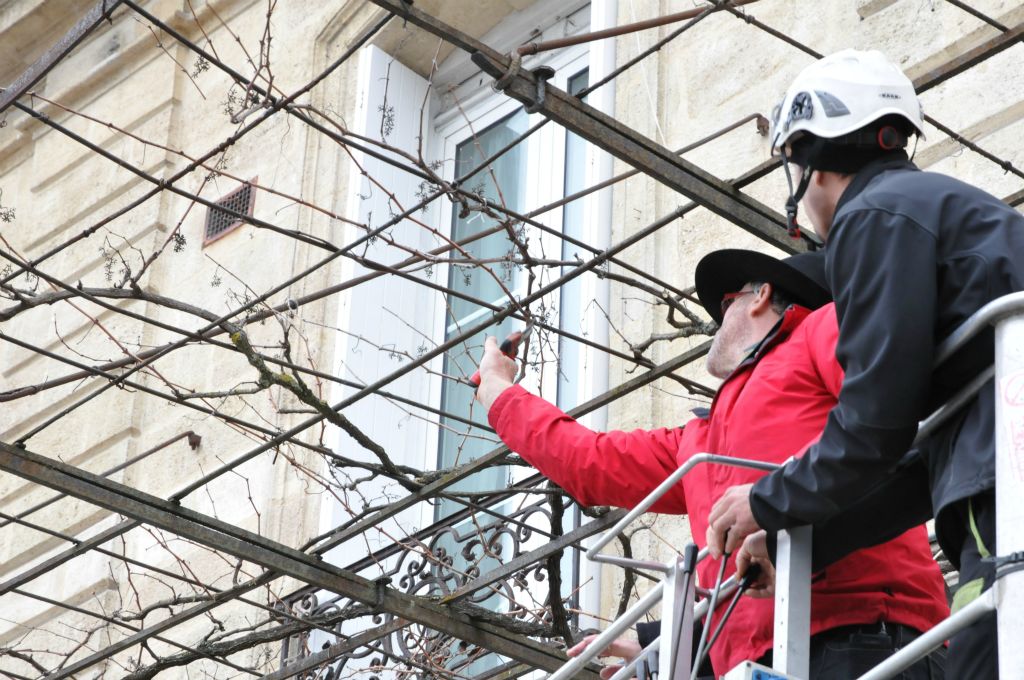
{"x": 848, "y": 652}
{"x": 851, "y": 651}
{"x": 844, "y": 653}
{"x": 973, "y": 652}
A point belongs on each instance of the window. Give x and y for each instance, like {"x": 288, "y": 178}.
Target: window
{"x": 467, "y": 122}
{"x": 504, "y": 183}
{"x": 536, "y": 171}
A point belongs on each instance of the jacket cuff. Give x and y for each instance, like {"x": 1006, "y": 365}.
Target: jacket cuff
{"x": 766, "y": 515}
{"x": 501, "y": 403}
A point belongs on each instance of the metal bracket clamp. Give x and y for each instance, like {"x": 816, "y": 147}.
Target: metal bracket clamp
{"x": 514, "y": 63}
{"x": 542, "y": 74}
{"x": 1007, "y": 564}
{"x": 380, "y": 586}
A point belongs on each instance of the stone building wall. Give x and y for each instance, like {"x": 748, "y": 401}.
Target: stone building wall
{"x": 155, "y": 89}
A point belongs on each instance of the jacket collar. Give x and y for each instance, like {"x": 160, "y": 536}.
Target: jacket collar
{"x": 896, "y": 160}
{"x": 791, "y": 318}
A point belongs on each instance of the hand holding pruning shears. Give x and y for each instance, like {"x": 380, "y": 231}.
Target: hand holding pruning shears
{"x": 497, "y": 370}
{"x": 753, "y": 559}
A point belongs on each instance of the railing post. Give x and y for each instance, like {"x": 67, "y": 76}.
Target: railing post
{"x": 675, "y": 654}
{"x": 1009, "y": 424}
{"x": 791, "y": 653}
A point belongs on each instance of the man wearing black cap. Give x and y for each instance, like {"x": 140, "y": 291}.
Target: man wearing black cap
{"x": 780, "y": 379}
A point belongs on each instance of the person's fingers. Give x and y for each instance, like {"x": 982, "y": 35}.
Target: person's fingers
{"x": 733, "y": 540}
{"x": 754, "y": 551}
{"x": 711, "y": 541}
{"x": 609, "y": 671}
{"x": 717, "y": 510}
{"x": 720, "y": 520}
{"x": 768, "y": 573}
{"x": 620, "y": 647}
{"x": 715, "y": 541}
{"x": 626, "y": 649}
{"x": 578, "y": 648}
{"x": 765, "y": 584}
{"x": 760, "y": 592}
{"x": 743, "y": 560}
{"x": 757, "y": 586}
{"x": 730, "y": 521}
{"x": 495, "y": 360}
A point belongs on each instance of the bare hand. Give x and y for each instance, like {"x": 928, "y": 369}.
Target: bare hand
{"x": 622, "y": 648}
{"x": 731, "y": 520}
{"x": 497, "y": 372}
{"x": 755, "y": 551}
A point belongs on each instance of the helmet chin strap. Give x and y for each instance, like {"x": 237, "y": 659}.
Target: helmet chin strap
{"x": 794, "y": 194}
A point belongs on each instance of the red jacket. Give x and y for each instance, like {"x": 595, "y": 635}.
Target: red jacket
{"x": 773, "y": 405}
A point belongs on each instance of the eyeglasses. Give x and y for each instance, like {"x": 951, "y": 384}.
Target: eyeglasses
{"x": 729, "y": 298}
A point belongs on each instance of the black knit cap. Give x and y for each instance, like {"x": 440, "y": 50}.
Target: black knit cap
{"x": 800, "y": 277}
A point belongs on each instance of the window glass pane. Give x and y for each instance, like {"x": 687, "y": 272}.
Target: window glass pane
{"x": 503, "y": 182}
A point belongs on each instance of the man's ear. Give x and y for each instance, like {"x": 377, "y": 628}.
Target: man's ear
{"x": 762, "y": 301}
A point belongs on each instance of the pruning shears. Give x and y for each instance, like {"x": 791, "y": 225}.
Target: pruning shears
{"x": 509, "y": 347}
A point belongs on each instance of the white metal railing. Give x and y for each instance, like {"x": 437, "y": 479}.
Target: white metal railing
{"x": 676, "y": 594}
{"x": 793, "y": 558}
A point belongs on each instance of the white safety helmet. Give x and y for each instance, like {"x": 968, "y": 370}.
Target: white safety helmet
{"x": 833, "y": 103}
{"x": 842, "y": 93}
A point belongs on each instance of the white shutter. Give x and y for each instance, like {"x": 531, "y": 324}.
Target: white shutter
{"x": 389, "y": 312}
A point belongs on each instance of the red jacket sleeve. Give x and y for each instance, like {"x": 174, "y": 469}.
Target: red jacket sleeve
{"x": 822, "y": 331}
{"x": 596, "y": 468}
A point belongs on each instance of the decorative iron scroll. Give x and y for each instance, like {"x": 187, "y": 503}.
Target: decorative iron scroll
{"x": 437, "y": 562}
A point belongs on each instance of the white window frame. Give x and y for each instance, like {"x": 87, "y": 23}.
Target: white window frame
{"x": 484, "y": 107}
{"x": 442, "y": 132}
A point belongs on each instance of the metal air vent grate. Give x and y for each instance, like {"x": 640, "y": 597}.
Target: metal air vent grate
{"x": 220, "y": 222}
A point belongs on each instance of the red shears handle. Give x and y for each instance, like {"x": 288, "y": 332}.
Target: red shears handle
{"x": 510, "y": 348}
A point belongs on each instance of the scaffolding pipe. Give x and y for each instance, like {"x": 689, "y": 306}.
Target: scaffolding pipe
{"x": 529, "y": 48}
{"x": 594, "y": 554}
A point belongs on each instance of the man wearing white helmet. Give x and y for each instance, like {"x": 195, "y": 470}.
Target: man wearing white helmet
{"x": 910, "y": 256}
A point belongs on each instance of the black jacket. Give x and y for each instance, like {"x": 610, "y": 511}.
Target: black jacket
{"x": 910, "y": 256}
